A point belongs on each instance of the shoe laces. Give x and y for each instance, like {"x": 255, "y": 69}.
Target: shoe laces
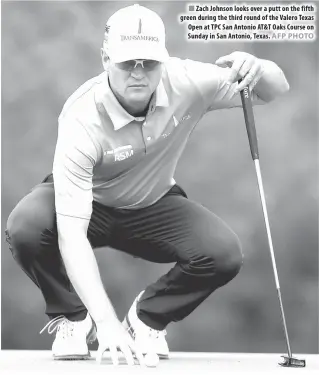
{"x": 155, "y": 334}
{"x": 152, "y": 333}
{"x": 61, "y": 324}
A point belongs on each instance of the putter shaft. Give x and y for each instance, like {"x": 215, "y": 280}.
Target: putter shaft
{"x": 253, "y": 143}
{"x": 271, "y": 248}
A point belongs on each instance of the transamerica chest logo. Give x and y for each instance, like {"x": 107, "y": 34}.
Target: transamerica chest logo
{"x": 121, "y": 153}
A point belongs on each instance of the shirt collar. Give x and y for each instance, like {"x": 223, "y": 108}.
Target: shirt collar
{"x": 119, "y": 116}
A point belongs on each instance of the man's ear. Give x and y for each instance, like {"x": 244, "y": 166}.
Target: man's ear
{"x": 105, "y": 59}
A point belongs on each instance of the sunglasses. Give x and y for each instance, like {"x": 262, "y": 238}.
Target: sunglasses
{"x": 129, "y": 65}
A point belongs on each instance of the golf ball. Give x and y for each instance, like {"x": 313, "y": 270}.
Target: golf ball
{"x": 151, "y": 360}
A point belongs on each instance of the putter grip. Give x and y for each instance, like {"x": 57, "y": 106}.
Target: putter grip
{"x": 250, "y": 122}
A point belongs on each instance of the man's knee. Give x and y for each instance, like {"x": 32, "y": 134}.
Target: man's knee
{"x": 220, "y": 258}
{"x": 22, "y": 238}
{"x": 231, "y": 260}
{"x": 25, "y": 233}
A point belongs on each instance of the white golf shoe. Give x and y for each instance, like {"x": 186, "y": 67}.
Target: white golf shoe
{"x": 147, "y": 339}
{"x": 72, "y": 338}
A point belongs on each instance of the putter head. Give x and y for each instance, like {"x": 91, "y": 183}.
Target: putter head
{"x": 292, "y": 362}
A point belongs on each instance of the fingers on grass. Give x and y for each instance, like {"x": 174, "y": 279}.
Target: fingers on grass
{"x": 114, "y": 355}
{"x": 99, "y": 356}
{"x": 139, "y": 356}
{"x": 128, "y": 355}
{"x": 133, "y": 348}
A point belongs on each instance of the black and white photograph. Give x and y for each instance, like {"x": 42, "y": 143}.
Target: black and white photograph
{"x": 159, "y": 172}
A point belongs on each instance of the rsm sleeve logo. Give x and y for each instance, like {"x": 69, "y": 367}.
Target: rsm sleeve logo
{"x": 121, "y": 153}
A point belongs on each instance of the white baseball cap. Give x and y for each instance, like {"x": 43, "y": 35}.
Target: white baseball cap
{"x": 134, "y": 33}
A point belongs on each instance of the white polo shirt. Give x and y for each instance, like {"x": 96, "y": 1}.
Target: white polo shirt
{"x": 105, "y": 154}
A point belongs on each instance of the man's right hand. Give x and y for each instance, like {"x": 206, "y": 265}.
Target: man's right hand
{"x": 113, "y": 336}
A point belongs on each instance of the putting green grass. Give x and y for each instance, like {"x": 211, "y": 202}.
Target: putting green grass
{"x": 41, "y": 362}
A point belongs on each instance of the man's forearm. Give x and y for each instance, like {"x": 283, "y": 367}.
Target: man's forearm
{"x": 83, "y": 271}
{"x": 272, "y": 82}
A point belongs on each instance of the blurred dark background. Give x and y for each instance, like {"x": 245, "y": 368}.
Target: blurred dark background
{"x": 51, "y": 48}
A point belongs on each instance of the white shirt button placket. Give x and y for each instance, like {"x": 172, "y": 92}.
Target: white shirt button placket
{"x": 147, "y": 136}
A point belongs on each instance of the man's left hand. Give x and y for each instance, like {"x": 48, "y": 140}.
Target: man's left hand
{"x": 242, "y": 65}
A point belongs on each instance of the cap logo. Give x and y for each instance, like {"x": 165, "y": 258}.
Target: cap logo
{"x": 148, "y": 38}
{"x": 139, "y": 27}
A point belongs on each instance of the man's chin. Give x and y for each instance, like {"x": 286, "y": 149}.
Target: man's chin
{"x": 138, "y": 95}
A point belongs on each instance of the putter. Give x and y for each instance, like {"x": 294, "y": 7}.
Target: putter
{"x": 289, "y": 361}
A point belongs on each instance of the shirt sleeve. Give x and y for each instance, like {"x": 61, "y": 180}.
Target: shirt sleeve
{"x": 75, "y": 157}
{"x": 211, "y": 81}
